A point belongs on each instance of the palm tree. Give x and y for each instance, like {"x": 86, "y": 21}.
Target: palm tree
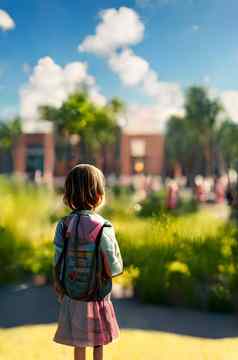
{"x": 192, "y": 139}
{"x": 201, "y": 113}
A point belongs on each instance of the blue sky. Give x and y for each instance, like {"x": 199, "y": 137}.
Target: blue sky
{"x": 184, "y": 42}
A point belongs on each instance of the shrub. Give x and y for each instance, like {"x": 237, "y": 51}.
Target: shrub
{"x": 13, "y": 255}
{"x": 152, "y": 205}
{"x": 186, "y": 206}
{"x": 117, "y": 206}
{"x": 26, "y": 229}
{"x": 189, "y": 261}
{"x": 41, "y": 261}
{"x": 220, "y": 298}
{"x": 179, "y": 284}
{"x": 128, "y": 278}
{"x": 122, "y": 190}
{"x": 155, "y": 205}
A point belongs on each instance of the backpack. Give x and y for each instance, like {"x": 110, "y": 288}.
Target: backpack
{"x": 82, "y": 276}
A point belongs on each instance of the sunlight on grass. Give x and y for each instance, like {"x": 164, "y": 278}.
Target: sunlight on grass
{"x": 200, "y": 224}
{"x": 35, "y": 343}
{"x": 189, "y": 251}
{"x": 26, "y": 204}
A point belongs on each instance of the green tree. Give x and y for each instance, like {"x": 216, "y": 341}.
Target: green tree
{"x": 228, "y": 146}
{"x": 9, "y": 132}
{"x": 202, "y": 115}
{"x": 181, "y": 147}
{"x": 191, "y": 140}
{"x": 96, "y": 126}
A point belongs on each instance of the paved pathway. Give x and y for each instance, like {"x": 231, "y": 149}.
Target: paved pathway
{"x": 36, "y": 305}
{"x": 221, "y": 211}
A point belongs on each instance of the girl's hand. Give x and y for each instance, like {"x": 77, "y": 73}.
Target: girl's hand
{"x": 60, "y": 298}
{"x": 59, "y": 291}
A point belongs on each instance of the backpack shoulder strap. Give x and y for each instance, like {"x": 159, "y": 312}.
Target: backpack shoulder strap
{"x": 94, "y": 291}
{"x": 99, "y": 235}
{"x": 98, "y": 239}
{"x": 66, "y": 240}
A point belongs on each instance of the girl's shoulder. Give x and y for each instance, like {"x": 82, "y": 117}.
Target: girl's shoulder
{"x": 102, "y": 219}
{"x": 88, "y": 217}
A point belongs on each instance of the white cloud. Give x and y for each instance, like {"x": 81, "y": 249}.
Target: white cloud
{"x": 130, "y": 68}
{"x": 147, "y": 119}
{"x": 170, "y": 96}
{"x": 136, "y": 71}
{"x": 6, "y": 22}
{"x": 229, "y": 99}
{"x": 116, "y": 31}
{"x": 50, "y": 84}
{"x": 96, "y": 96}
{"x": 151, "y": 83}
{"x": 118, "y": 28}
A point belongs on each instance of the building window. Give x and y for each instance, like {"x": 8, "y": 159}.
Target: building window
{"x": 138, "y": 156}
{"x": 137, "y": 147}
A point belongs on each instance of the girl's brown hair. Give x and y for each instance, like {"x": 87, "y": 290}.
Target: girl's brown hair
{"x": 84, "y": 187}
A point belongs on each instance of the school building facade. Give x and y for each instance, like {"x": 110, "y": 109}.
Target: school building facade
{"x": 138, "y": 150}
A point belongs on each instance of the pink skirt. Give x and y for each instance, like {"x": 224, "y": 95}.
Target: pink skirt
{"x": 84, "y": 324}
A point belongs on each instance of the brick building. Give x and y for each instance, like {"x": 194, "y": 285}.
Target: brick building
{"x": 35, "y": 151}
{"x": 142, "y": 153}
{"x": 139, "y": 150}
{"x": 142, "y": 143}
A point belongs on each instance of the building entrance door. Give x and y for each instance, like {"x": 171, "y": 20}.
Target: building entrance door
{"x": 34, "y": 159}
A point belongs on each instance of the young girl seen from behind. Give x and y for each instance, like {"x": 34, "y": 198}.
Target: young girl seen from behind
{"x": 86, "y": 316}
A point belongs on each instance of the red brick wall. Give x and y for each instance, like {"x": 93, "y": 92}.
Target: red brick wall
{"x": 154, "y": 153}
{"x": 19, "y": 156}
{"x": 23, "y": 141}
{"x": 49, "y": 156}
{"x": 125, "y": 155}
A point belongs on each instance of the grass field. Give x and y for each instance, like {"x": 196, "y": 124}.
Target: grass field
{"x": 188, "y": 250}
{"x": 35, "y": 343}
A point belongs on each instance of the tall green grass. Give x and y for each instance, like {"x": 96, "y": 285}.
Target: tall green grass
{"x": 25, "y": 229}
{"x": 189, "y": 260}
